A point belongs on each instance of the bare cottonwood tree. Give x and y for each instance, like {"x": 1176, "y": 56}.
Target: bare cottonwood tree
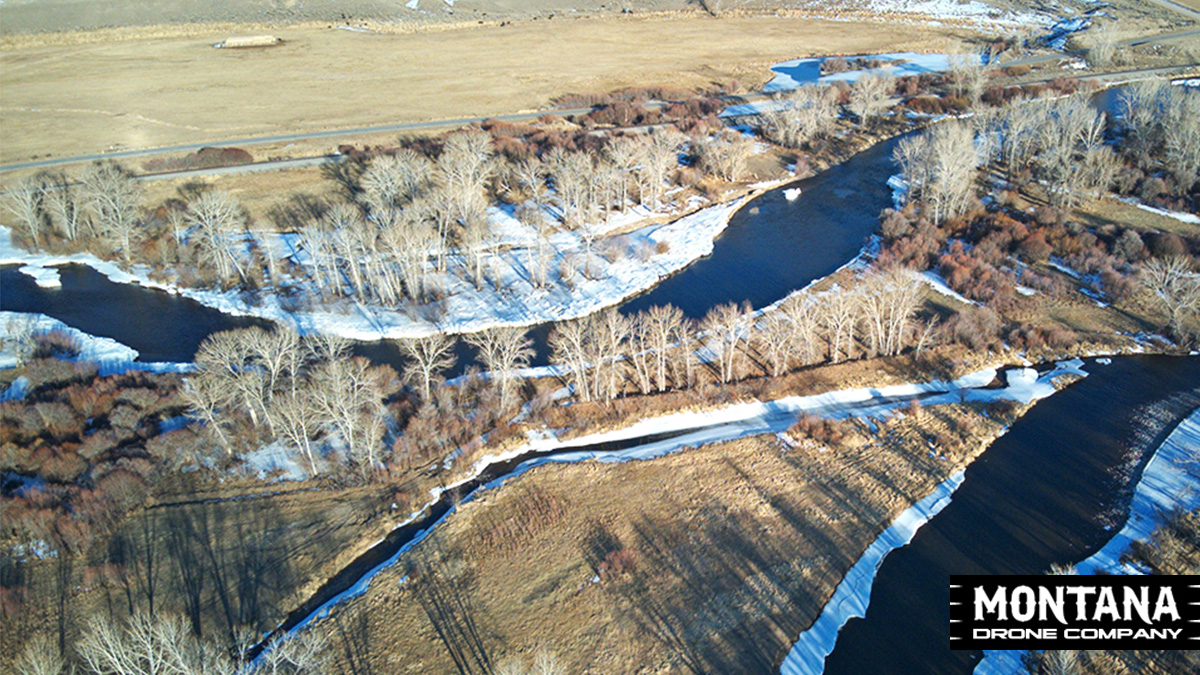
{"x": 228, "y": 359}
{"x": 801, "y": 115}
{"x": 804, "y": 313}
{"x": 503, "y": 350}
{"x": 26, "y": 203}
{"x": 299, "y": 653}
{"x": 392, "y": 181}
{"x": 775, "y": 341}
{"x": 609, "y": 334}
{"x": 888, "y": 301}
{"x": 113, "y": 198}
{"x": 147, "y": 645}
{"x": 463, "y": 169}
{"x": 939, "y": 167}
{"x": 840, "y": 313}
{"x": 208, "y": 400}
{"x": 667, "y": 334}
{"x": 297, "y": 417}
{"x": 349, "y": 394}
{"x": 19, "y": 336}
{"x": 1103, "y": 50}
{"x": 40, "y": 657}
{"x": 218, "y": 222}
{"x": 1181, "y": 135}
{"x": 725, "y": 155}
{"x": 660, "y": 158}
{"x": 570, "y": 342}
{"x": 726, "y": 328}
{"x": 969, "y": 76}
{"x": 869, "y": 94}
{"x": 62, "y": 204}
{"x": 1174, "y": 286}
{"x": 427, "y": 357}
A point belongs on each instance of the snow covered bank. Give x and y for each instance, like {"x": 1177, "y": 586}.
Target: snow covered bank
{"x": 853, "y": 594}
{"x": 700, "y": 428}
{"x": 647, "y": 255}
{"x": 1171, "y": 480}
{"x": 111, "y": 357}
{"x": 1190, "y": 218}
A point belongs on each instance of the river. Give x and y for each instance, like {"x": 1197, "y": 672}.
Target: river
{"x": 807, "y": 238}
{"x": 1047, "y": 492}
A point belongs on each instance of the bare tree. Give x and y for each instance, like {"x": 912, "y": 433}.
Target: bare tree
{"x": 726, "y": 328}
{"x": 40, "y": 657}
{"x": 217, "y": 220}
{"x": 427, "y": 356}
{"x": 888, "y": 301}
{"x": 869, "y": 94}
{"x": 297, "y": 417}
{"x": 660, "y": 158}
{"x": 392, "y": 181}
{"x": 1182, "y": 135}
{"x": 969, "y": 76}
{"x": 569, "y": 342}
{"x": 609, "y": 333}
{"x": 775, "y": 339}
{"x": 840, "y": 314}
{"x": 503, "y": 350}
{"x": 208, "y": 399}
{"x": 939, "y": 167}
{"x": 18, "y": 337}
{"x": 113, "y": 198}
{"x": 349, "y": 394}
{"x": 665, "y": 326}
{"x": 227, "y": 358}
{"x": 804, "y": 314}
{"x": 641, "y": 351}
{"x": 1103, "y": 51}
{"x": 63, "y": 207}
{"x": 625, "y": 154}
{"x": 25, "y": 203}
{"x": 725, "y": 155}
{"x": 463, "y": 169}
{"x": 1174, "y": 286}
{"x": 148, "y": 646}
{"x": 299, "y": 653}
{"x": 801, "y": 115}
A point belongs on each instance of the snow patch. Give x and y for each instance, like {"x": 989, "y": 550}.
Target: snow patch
{"x": 110, "y": 356}
{"x": 853, "y": 594}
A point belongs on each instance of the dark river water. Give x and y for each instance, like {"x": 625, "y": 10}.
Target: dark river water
{"x": 1033, "y": 499}
{"x": 771, "y": 247}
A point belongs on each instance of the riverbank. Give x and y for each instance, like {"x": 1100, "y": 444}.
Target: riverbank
{"x": 1170, "y": 483}
{"x": 769, "y": 521}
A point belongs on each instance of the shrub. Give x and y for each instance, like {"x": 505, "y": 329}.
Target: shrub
{"x": 821, "y": 430}
{"x": 977, "y": 327}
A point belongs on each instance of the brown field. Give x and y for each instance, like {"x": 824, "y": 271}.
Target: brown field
{"x": 732, "y": 549}
{"x": 65, "y": 96}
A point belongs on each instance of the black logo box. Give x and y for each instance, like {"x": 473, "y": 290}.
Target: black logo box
{"x": 976, "y": 621}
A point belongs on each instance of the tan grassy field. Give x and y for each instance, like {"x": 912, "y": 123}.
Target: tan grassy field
{"x": 138, "y": 92}
{"x": 733, "y": 549}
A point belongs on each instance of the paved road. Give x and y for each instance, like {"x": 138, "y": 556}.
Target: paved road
{"x": 1134, "y": 42}
{"x": 287, "y": 138}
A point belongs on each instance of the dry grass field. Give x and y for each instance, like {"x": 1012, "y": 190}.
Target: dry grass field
{"x": 139, "y": 89}
{"x": 717, "y": 557}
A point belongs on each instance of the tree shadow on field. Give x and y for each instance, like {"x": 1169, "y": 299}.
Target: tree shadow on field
{"x": 443, "y": 584}
{"x": 300, "y": 210}
{"x": 347, "y": 174}
{"x": 727, "y": 591}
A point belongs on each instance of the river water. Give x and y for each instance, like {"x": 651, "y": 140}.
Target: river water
{"x": 1034, "y": 498}
{"x": 771, "y": 247}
